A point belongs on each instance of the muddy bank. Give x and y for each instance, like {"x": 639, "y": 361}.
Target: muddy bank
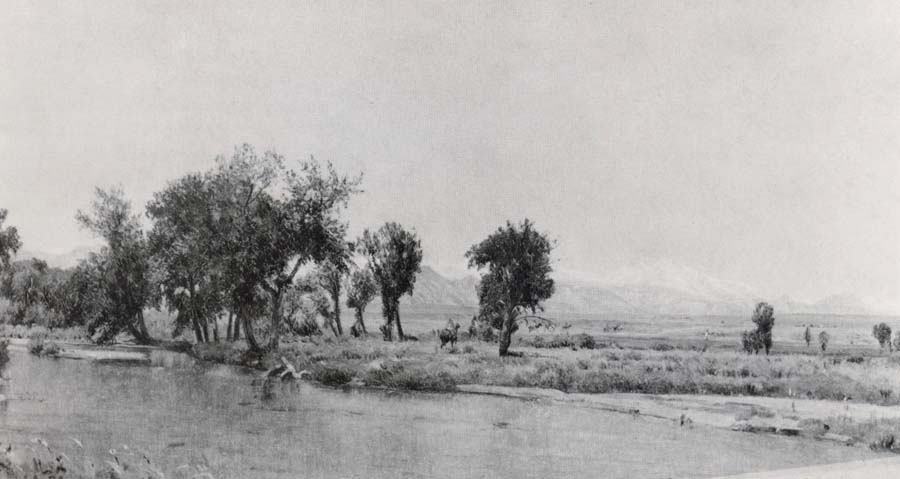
{"x": 784, "y": 416}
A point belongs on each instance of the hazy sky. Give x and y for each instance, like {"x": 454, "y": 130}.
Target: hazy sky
{"x": 759, "y": 141}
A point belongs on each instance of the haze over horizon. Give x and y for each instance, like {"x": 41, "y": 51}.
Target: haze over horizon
{"x": 757, "y": 143}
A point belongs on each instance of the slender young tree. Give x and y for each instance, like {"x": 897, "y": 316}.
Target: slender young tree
{"x": 764, "y": 318}
{"x": 516, "y": 260}
{"x": 330, "y": 276}
{"x": 395, "y": 258}
{"x": 361, "y": 290}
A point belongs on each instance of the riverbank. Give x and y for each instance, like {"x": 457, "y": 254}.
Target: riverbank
{"x": 838, "y": 398}
{"x": 230, "y": 423}
{"x": 751, "y": 391}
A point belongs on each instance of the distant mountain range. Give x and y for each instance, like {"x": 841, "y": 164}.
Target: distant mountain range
{"x": 664, "y": 288}
{"x": 659, "y": 288}
{"x": 58, "y": 260}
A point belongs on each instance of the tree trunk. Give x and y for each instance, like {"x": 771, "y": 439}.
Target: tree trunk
{"x": 248, "y": 332}
{"x": 506, "y": 334}
{"x": 197, "y": 334}
{"x": 236, "y": 335}
{"x": 216, "y": 329}
{"x": 229, "y": 326}
{"x": 139, "y": 330}
{"x": 337, "y": 313}
{"x": 396, "y": 308}
{"x": 276, "y": 320}
{"x": 205, "y": 329}
{"x": 359, "y": 321}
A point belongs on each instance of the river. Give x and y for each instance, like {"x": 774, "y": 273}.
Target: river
{"x": 185, "y": 413}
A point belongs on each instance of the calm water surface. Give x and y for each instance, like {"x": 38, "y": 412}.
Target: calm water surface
{"x": 184, "y": 413}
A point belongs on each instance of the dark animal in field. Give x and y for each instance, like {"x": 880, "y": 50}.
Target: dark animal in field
{"x": 886, "y": 442}
{"x": 448, "y": 335}
{"x": 355, "y": 331}
{"x": 409, "y": 337}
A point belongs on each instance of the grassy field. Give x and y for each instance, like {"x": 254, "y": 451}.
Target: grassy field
{"x": 657, "y": 355}
{"x": 645, "y": 355}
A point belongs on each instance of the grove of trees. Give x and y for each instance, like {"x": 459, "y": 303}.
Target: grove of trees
{"x": 262, "y": 247}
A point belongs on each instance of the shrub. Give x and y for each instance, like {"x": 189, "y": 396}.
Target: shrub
{"x": 51, "y": 349}
{"x": 468, "y": 349}
{"x": 332, "y": 376}
{"x": 413, "y": 379}
{"x": 36, "y": 342}
{"x": 4, "y": 353}
{"x": 662, "y": 347}
{"x": 585, "y": 341}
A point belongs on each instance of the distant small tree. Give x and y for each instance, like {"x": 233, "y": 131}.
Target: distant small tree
{"x": 361, "y": 290}
{"x": 517, "y": 280}
{"x": 897, "y": 340}
{"x": 395, "y": 258}
{"x": 9, "y": 241}
{"x": 882, "y": 333}
{"x": 823, "y": 340}
{"x": 764, "y": 318}
{"x": 807, "y": 336}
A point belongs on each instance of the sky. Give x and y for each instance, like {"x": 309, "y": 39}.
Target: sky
{"x": 757, "y": 141}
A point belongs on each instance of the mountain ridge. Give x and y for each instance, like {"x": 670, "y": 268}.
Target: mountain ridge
{"x": 655, "y": 289}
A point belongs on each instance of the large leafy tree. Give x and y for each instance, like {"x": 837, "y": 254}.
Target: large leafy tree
{"x": 9, "y": 241}
{"x": 182, "y": 243}
{"x": 121, "y": 269}
{"x": 516, "y": 278}
{"x": 271, "y": 221}
{"x": 395, "y": 256}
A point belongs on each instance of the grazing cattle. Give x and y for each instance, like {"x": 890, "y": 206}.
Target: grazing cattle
{"x": 448, "y": 334}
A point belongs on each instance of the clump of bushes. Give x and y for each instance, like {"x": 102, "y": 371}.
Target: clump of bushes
{"x": 4, "y": 353}
{"x": 36, "y": 343}
{"x": 39, "y": 346}
{"x": 575, "y": 341}
{"x": 223, "y": 353}
{"x": 398, "y": 376}
{"x": 333, "y": 376}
